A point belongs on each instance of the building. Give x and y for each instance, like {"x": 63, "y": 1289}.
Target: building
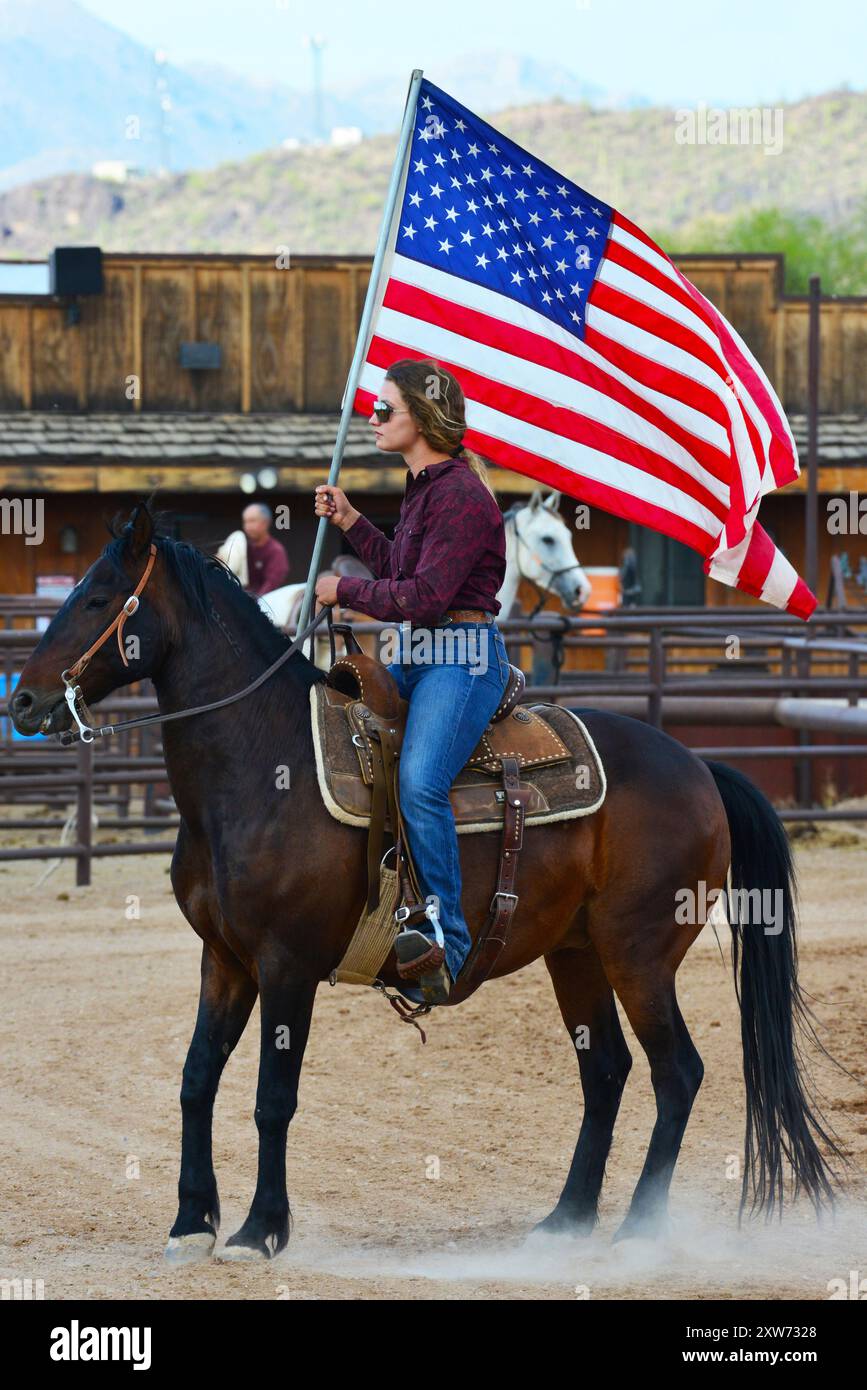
{"x": 187, "y": 374}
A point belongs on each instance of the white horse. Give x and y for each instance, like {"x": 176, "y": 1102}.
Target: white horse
{"x": 280, "y": 605}
{"x": 538, "y": 549}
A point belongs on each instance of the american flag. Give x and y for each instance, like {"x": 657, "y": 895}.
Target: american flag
{"x": 587, "y": 360}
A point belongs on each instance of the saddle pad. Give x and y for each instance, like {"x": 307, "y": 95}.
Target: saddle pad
{"x": 574, "y": 785}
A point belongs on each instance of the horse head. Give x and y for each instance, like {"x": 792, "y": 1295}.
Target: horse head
{"x": 539, "y": 549}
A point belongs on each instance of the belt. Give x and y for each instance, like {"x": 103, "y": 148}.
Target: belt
{"x": 464, "y": 615}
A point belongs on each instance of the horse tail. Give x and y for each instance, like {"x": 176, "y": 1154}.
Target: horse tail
{"x": 775, "y": 1020}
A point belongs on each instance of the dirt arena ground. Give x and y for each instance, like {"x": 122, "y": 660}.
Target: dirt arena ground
{"x": 97, "y": 1014}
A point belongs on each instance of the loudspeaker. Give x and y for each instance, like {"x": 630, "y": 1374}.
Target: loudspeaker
{"x": 75, "y": 270}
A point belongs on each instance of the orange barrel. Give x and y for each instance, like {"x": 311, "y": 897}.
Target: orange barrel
{"x": 604, "y": 594}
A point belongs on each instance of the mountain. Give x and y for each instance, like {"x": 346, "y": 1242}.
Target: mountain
{"x": 327, "y": 199}
{"x": 75, "y": 90}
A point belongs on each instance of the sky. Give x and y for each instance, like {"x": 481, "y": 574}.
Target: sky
{"x": 675, "y": 52}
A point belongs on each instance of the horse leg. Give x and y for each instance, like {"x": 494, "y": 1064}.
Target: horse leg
{"x": 286, "y": 1003}
{"x": 226, "y": 998}
{"x": 589, "y": 1012}
{"x": 676, "y": 1071}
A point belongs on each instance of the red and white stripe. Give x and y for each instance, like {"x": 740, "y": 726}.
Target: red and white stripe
{"x": 661, "y": 415}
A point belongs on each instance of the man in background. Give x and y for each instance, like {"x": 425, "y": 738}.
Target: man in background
{"x": 267, "y": 561}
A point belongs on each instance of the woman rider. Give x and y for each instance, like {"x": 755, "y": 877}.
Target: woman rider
{"x": 441, "y": 571}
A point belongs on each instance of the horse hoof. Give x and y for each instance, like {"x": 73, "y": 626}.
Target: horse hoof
{"x": 242, "y": 1254}
{"x": 190, "y": 1250}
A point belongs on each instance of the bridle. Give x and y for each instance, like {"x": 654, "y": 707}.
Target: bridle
{"x": 512, "y": 516}
{"x": 75, "y": 699}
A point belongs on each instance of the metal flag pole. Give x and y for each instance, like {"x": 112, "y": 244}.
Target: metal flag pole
{"x": 361, "y": 340}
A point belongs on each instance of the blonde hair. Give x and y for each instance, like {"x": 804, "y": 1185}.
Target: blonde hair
{"x": 435, "y": 401}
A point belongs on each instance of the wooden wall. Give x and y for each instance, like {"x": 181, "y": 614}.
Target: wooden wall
{"x": 287, "y": 335}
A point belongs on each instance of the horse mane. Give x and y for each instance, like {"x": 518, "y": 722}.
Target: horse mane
{"x": 197, "y": 575}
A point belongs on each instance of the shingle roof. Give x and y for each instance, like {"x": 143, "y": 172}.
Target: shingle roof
{"x": 291, "y": 440}
{"x": 285, "y": 439}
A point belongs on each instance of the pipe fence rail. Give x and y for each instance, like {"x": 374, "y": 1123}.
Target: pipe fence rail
{"x": 676, "y": 666}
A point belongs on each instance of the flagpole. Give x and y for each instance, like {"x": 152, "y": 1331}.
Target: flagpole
{"x": 361, "y": 340}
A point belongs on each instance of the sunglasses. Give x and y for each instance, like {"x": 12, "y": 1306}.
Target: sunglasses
{"x": 384, "y": 411}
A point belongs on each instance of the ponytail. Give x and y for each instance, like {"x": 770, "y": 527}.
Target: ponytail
{"x": 479, "y": 467}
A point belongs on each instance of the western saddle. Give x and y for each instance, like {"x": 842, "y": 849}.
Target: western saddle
{"x": 377, "y": 716}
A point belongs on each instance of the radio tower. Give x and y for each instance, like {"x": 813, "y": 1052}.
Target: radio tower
{"x": 316, "y": 43}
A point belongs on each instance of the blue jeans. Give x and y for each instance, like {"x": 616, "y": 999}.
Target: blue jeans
{"x": 452, "y": 692}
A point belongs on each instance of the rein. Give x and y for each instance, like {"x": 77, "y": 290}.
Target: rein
{"x": 73, "y": 695}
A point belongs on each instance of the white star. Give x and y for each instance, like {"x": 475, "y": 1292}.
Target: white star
{"x": 435, "y": 190}
{"x": 596, "y": 211}
{"x": 446, "y": 246}
{"x": 501, "y": 200}
{"x": 576, "y": 289}
{"x": 535, "y": 218}
{"x": 521, "y": 195}
{"x": 427, "y": 103}
{"x": 467, "y": 237}
{"x": 591, "y": 231}
{"x": 439, "y": 158}
{"x": 493, "y": 149}
{"x": 559, "y": 294}
{"x": 455, "y": 183}
{"x": 577, "y": 211}
{"x": 517, "y": 277}
{"x": 532, "y": 274}
{"x": 456, "y": 154}
{"x": 409, "y": 231}
{"x": 562, "y": 190}
{"x": 543, "y": 192}
{"x": 430, "y": 223}
{"x": 473, "y": 148}
{"x": 470, "y": 180}
{"x": 547, "y": 242}
{"x": 488, "y": 229}
{"x": 570, "y": 235}
{"x": 419, "y": 166}
{"x": 546, "y": 298}
{"x": 487, "y": 175}
{"x": 561, "y": 265}
{"x": 517, "y": 250}
{"x": 507, "y": 170}
{"x": 415, "y": 199}
{"x": 526, "y": 169}
{"x": 502, "y": 226}
{"x": 556, "y": 214}
{"x": 515, "y": 222}
{"x": 451, "y": 214}
{"x": 425, "y": 134}
{"x": 472, "y": 207}
{"x": 544, "y": 270}
{"x": 502, "y": 253}
{"x": 482, "y": 260}
{"x": 576, "y": 317}
{"x": 459, "y": 125}
{"x": 487, "y": 202}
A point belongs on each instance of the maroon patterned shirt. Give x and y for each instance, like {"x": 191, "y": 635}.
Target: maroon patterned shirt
{"x": 449, "y": 550}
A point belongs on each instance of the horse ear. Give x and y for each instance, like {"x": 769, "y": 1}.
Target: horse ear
{"x": 140, "y": 529}
{"x": 535, "y": 500}
{"x": 552, "y": 501}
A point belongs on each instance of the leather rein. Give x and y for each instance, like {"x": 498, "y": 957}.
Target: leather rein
{"x": 74, "y": 697}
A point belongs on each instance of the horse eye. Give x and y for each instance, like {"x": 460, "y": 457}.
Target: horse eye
{"x": 549, "y": 540}
{"x": 96, "y": 603}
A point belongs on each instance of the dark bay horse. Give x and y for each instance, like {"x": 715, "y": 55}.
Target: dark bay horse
{"x": 274, "y": 887}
